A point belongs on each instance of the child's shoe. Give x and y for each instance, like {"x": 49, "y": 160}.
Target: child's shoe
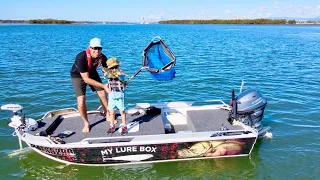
{"x": 124, "y": 130}
{"x": 111, "y": 130}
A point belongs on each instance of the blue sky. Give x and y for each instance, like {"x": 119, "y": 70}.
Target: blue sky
{"x": 149, "y": 10}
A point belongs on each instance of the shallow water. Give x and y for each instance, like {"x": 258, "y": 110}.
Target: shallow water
{"x": 282, "y": 62}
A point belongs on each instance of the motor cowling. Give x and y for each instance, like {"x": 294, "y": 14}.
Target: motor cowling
{"x": 18, "y": 120}
{"x": 248, "y": 108}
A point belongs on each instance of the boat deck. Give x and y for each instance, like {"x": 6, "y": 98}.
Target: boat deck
{"x": 149, "y": 124}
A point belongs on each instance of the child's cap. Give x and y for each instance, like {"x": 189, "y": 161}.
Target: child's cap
{"x": 112, "y": 62}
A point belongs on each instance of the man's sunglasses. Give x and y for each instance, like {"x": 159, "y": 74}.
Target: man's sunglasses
{"x": 96, "y": 48}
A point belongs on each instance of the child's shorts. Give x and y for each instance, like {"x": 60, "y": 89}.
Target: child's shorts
{"x": 116, "y": 100}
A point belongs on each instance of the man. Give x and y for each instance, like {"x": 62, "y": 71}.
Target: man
{"x": 83, "y": 72}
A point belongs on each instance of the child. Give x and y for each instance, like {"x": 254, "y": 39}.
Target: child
{"x": 117, "y": 85}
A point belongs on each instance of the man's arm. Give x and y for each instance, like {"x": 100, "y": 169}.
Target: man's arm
{"x": 92, "y": 82}
{"x": 105, "y": 71}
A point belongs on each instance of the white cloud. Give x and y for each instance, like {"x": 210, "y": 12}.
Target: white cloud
{"x": 203, "y": 14}
{"x": 276, "y": 5}
{"x": 268, "y": 15}
{"x": 228, "y": 11}
{"x": 262, "y": 8}
{"x": 152, "y": 17}
{"x": 282, "y": 10}
{"x": 306, "y": 11}
{"x": 306, "y": 7}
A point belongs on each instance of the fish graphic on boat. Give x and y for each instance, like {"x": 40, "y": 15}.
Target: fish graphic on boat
{"x": 212, "y": 148}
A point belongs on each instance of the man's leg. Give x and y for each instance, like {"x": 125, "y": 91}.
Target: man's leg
{"x": 80, "y": 89}
{"x": 82, "y": 108}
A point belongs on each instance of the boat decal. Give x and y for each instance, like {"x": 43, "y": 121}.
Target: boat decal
{"x": 151, "y": 152}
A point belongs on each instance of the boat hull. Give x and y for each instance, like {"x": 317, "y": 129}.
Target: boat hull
{"x": 112, "y": 155}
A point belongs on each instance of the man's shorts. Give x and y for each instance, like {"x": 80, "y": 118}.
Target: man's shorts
{"x": 116, "y": 100}
{"x": 80, "y": 86}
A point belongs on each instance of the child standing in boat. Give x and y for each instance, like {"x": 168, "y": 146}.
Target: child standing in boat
{"x": 117, "y": 84}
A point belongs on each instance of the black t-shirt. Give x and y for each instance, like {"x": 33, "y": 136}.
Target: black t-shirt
{"x": 81, "y": 65}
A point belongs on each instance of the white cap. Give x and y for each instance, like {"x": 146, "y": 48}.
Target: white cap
{"x": 95, "y": 42}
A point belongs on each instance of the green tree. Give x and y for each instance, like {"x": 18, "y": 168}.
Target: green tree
{"x": 292, "y": 22}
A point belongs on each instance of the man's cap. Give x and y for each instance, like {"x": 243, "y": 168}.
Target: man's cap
{"x": 95, "y": 42}
{"x": 112, "y": 62}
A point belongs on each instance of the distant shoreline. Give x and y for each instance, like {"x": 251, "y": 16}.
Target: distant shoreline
{"x": 240, "y": 21}
{"x": 213, "y": 21}
{"x": 55, "y": 21}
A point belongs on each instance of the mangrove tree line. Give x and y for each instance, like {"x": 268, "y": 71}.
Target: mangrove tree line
{"x": 231, "y": 21}
{"x": 48, "y": 21}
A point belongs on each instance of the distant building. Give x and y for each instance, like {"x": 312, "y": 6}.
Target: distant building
{"x": 144, "y": 21}
{"x": 307, "y": 22}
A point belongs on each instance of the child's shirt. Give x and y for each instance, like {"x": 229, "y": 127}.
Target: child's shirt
{"x": 116, "y": 79}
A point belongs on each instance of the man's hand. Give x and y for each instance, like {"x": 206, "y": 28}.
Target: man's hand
{"x": 104, "y": 71}
{"x": 107, "y": 88}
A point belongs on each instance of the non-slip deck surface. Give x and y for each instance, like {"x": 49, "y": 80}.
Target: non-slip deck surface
{"x": 149, "y": 124}
{"x": 209, "y": 120}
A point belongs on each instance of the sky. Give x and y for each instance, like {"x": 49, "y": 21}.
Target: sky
{"x": 153, "y": 11}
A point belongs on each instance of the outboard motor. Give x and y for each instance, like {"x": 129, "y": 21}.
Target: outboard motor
{"x": 248, "y": 108}
{"x": 18, "y": 120}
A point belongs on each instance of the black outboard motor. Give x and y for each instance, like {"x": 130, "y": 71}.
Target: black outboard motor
{"x": 248, "y": 108}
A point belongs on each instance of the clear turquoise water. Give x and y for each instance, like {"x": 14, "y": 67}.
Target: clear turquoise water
{"x": 282, "y": 62}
